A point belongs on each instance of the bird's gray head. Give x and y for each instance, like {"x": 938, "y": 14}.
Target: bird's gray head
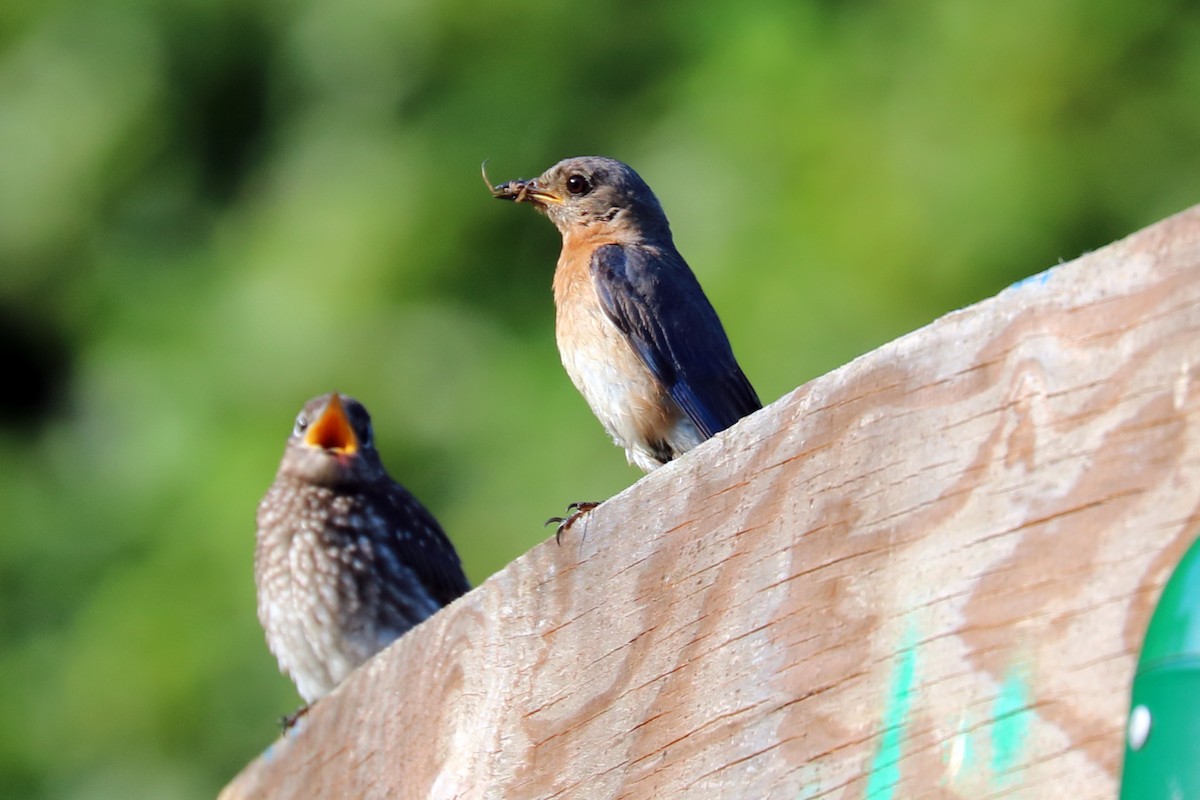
{"x": 590, "y": 195}
{"x": 332, "y": 443}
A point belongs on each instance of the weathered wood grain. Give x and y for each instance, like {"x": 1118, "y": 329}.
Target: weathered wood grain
{"x": 925, "y": 574}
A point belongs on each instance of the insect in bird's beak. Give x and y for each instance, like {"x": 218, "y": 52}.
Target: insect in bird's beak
{"x": 486, "y": 181}
{"x": 519, "y": 191}
{"x": 503, "y": 191}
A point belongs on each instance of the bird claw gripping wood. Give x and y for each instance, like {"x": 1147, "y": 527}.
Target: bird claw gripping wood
{"x": 564, "y": 523}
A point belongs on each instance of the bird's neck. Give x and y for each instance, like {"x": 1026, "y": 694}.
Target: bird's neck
{"x": 585, "y": 239}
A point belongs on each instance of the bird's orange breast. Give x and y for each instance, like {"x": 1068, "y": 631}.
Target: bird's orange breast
{"x": 631, "y": 404}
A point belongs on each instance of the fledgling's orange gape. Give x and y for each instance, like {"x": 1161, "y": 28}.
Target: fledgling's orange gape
{"x": 636, "y": 333}
{"x": 346, "y": 559}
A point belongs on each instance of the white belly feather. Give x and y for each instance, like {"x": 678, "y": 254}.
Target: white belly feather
{"x": 630, "y": 403}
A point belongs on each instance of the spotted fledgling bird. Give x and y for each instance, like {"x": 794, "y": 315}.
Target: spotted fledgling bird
{"x": 636, "y": 333}
{"x": 346, "y": 559}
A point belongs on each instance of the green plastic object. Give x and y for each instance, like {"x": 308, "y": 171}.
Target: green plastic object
{"x": 1162, "y": 737}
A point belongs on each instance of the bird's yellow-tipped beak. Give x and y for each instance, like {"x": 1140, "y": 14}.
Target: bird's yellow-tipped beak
{"x": 332, "y": 430}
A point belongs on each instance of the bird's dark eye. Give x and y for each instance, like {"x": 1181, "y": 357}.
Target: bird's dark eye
{"x": 368, "y": 435}
{"x": 578, "y": 184}
{"x": 301, "y": 424}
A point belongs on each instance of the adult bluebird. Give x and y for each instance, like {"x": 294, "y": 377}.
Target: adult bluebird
{"x": 635, "y": 331}
{"x": 346, "y": 559}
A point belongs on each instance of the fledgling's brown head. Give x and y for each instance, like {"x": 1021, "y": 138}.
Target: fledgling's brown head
{"x": 332, "y": 443}
{"x": 592, "y": 194}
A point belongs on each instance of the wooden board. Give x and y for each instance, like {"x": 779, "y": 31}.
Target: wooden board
{"x": 926, "y": 574}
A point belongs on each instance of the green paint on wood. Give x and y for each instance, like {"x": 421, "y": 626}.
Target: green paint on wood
{"x": 885, "y": 769}
{"x": 1011, "y": 717}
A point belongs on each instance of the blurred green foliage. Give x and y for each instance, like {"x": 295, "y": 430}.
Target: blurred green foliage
{"x": 211, "y": 211}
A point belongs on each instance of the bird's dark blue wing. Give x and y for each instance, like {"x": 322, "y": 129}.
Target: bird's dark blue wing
{"x": 653, "y": 297}
{"x": 420, "y": 543}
